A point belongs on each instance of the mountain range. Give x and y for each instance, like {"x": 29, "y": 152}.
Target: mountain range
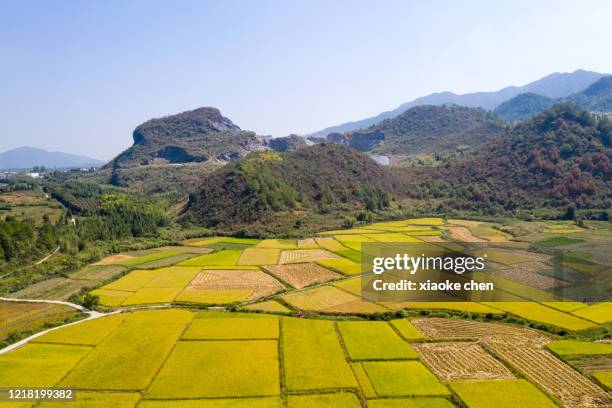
{"x": 29, "y": 157}
{"x": 554, "y": 86}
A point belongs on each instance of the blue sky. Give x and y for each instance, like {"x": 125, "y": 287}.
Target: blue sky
{"x": 78, "y": 76}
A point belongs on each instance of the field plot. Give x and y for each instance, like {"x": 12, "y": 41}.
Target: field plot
{"x": 449, "y": 329}
{"x": 313, "y": 357}
{"x": 133, "y": 281}
{"x": 462, "y": 234}
{"x": 598, "y": 313}
{"x": 226, "y": 257}
{"x": 527, "y": 273}
{"x": 110, "y": 297}
{"x": 232, "y": 329}
{"x": 353, "y": 241}
{"x": 543, "y": 314}
{"x": 271, "y": 306}
{"x": 259, "y": 256}
{"x": 462, "y": 361}
{"x": 219, "y": 370}
{"x": 130, "y": 357}
{"x": 342, "y": 265}
{"x": 501, "y": 394}
{"x": 330, "y": 299}
{"x": 552, "y": 375}
{"x": 579, "y": 348}
{"x": 97, "y": 273}
{"x": 591, "y": 364}
{"x": 604, "y": 377}
{"x": 424, "y": 402}
{"x": 31, "y": 317}
{"x": 424, "y": 221}
{"x": 406, "y": 329}
{"x": 305, "y": 255}
{"x": 403, "y": 378}
{"x": 54, "y": 288}
{"x": 278, "y": 243}
{"x": 214, "y": 284}
{"x": 97, "y": 400}
{"x": 39, "y": 365}
{"x": 339, "y": 400}
{"x": 146, "y": 296}
{"x": 225, "y": 240}
{"x": 307, "y": 243}
{"x": 374, "y": 341}
{"x": 392, "y": 237}
{"x": 264, "y": 402}
{"x": 330, "y": 244}
{"x": 155, "y": 256}
{"x": 89, "y": 333}
{"x": 303, "y": 274}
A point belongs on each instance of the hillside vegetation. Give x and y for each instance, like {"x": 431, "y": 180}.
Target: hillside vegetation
{"x": 523, "y": 107}
{"x": 425, "y": 129}
{"x": 559, "y": 158}
{"x": 320, "y": 179}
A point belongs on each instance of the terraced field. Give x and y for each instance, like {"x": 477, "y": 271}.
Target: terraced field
{"x": 177, "y": 356}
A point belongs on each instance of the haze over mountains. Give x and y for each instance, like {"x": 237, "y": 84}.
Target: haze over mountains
{"x": 28, "y": 157}
{"x": 556, "y": 85}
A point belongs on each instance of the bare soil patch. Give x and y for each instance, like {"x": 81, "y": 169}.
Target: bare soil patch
{"x": 527, "y": 273}
{"x": 304, "y": 274}
{"x": 306, "y": 243}
{"x": 113, "y": 259}
{"x": 462, "y": 361}
{"x": 463, "y": 234}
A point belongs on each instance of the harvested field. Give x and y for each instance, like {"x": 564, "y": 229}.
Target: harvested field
{"x": 431, "y": 238}
{"x": 526, "y": 273}
{"x": 257, "y": 282}
{"x": 330, "y": 299}
{"x": 259, "y": 256}
{"x": 307, "y": 243}
{"x": 462, "y": 234}
{"x": 305, "y": 255}
{"x": 592, "y": 364}
{"x": 303, "y": 274}
{"x": 551, "y": 374}
{"x": 313, "y": 357}
{"x": 501, "y": 394}
{"x": 450, "y": 329}
{"x": 462, "y": 361}
{"x": 511, "y": 256}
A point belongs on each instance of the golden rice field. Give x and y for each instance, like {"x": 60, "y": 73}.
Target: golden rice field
{"x": 268, "y": 355}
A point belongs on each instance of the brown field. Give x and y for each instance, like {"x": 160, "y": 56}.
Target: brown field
{"x": 305, "y": 255}
{"x": 431, "y": 238}
{"x": 331, "y": 299}
{"x": 445, "y": 329}
{"x": 259, "y": 283}
{"x": 304, "y": 274}
{"x": 553, "y": 375}
{"x": 592, "y": 364}
{"x": 462, "y": 361}
{"x": 113, "y": 259}
{"x": 306, "y": 243}
{"x": 463, "y": 234}
{"x": 54, "y": 288}
{"x": 526, "y": 273}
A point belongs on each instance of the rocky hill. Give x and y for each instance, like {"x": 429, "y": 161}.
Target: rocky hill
{"x": 199, "y": 135}
{"x": 287, "y": 143}
{"x": 425, "y": 129}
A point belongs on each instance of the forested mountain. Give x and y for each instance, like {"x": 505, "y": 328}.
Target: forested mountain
{"x": 193, "y": 136}
{"x": 597, "y": 97}
{"x": 523, "y": 107}
{"x": 556, "y": 85}
{"x": 425, "y": 129}
{"x": 29, "y": 157}
{"x": 561, "y": 157}
{"x": 268, "y": 186}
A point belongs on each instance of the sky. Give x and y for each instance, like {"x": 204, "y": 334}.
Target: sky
{"x": 79, "y": 76}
